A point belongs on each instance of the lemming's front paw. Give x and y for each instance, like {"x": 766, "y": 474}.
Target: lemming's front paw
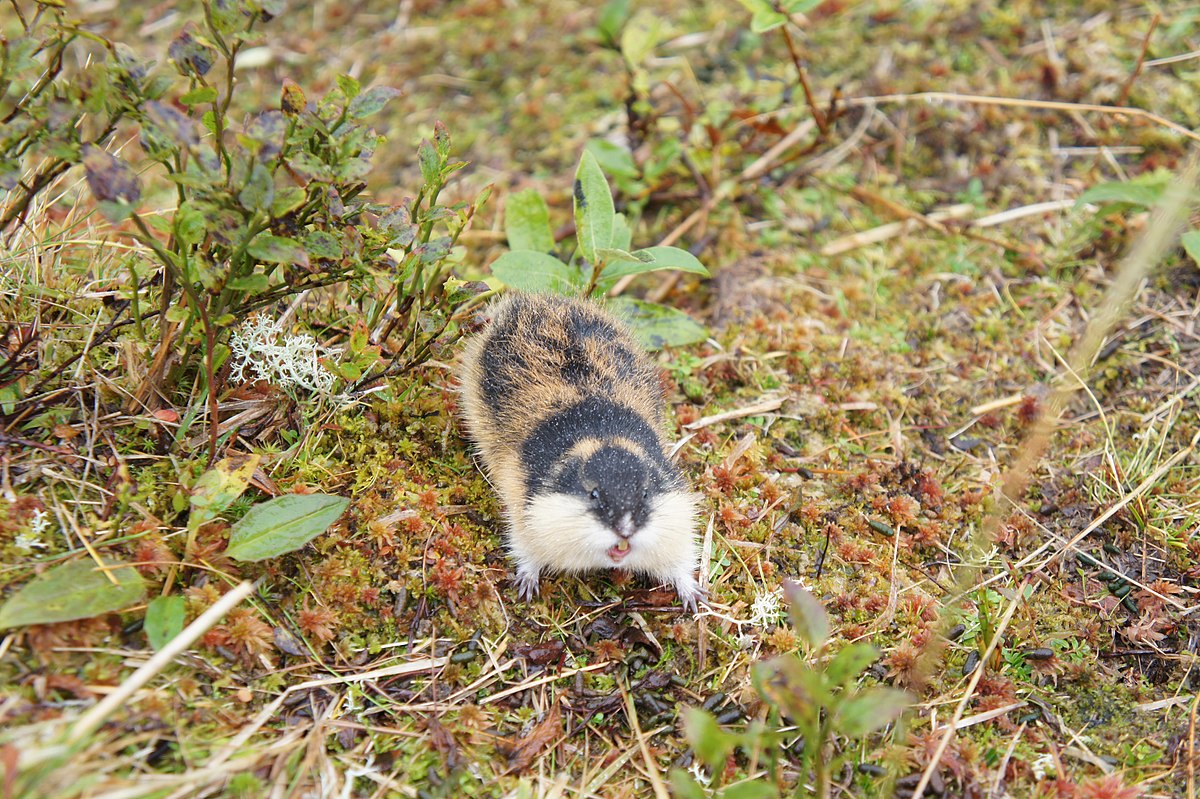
{"x": 527, "y": 584}
{"x": 690, "y": 593}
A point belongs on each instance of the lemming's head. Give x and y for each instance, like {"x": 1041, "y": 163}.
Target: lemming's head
{"x": 606, "y": 505}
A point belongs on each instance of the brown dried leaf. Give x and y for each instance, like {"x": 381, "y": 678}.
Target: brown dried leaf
{"x": 527, "y": 750}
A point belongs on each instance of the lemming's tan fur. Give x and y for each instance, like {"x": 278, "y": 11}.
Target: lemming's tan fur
{"x": 541, "y": 359}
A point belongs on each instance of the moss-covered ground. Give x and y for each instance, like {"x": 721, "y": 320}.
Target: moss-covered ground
{"x": 881, "y": 388}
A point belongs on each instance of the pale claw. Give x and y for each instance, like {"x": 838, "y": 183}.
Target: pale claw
{"x": 690, "y": 593}
{"x": 527, "y": 584}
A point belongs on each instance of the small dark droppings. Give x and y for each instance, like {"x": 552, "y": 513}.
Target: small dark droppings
{"x": 730, "y": 716}
{"x": 805, "y": 473}
{"x": 956, "y": 632}
{"x": 1129, "y": 604}
{"x": 1030, "y": 717}
{"x": 464, "y": 656}
{"x": 880, "y": 527}
{"x": 1040, "y": 653}
{"x": 873, "y": 769}
{"x": 965, "y": 443}
{"x": 1112, "y": 548}
{"x": 971, "y": 664}
{"x": 580, "y": 200}
{"x": 1123, "y": 590}
{"x": 714, "y": 701}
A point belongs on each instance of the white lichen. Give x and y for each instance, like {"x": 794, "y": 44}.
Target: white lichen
{"x": 767, "y": 609}
{"x": 261, "y": 351}
{"x": 38, "y": 525}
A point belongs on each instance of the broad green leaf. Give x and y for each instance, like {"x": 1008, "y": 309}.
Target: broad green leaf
{"x": 350, "y": 86}
{"x": 278, "y": 250}
{"x": 283, "y": 524}
{"x": 529, "y": 270}
{"x": 612, "y": 18}
{"x": 220, "y": 486}
{"x": 75, "y": 590}
{"x": 1191, "y": 244}
{"x": 807, "y": 614}
{"x": 371, "y": 101}
{"x": 653, "y": 259}
{"x": 594, "y": 209}
{"x": 323, "y": 244}
{"x": 871, "y": 710}
{"x": 850, "y": 662}
{"x": 758, "y": 789}
{"x": 197, "y": 96}
{"x": 710, "y": 743}
{"x": 527, "y": 222}
{"x": 657, "y": 326}
{"x": 164, "y": 620}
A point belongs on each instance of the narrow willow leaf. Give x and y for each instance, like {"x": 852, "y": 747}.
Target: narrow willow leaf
{"x": 527, "y": 222}
{"x": 807, "y": 614}
{"x": 653, "y": 259}
{"x": 164, "y": 620}
{"x": 710, "y": 743}
{"x": 594, "y": 209}
{"x": 657, "y": 326}
{"x": 283, "y": 524}
{"x": 75, "y": 590}
{"x": 529, "y": 270}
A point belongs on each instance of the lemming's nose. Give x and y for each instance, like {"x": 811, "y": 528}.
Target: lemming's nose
{"x": 625, "y": 527}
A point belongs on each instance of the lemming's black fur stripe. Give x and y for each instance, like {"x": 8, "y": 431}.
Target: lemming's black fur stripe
{"x": 591, "y": 417}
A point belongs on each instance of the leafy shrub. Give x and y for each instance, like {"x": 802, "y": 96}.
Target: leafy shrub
{"x": 262, "y": 210}
{"x": 818, "y": 698}
{"x": 603, "y": 256}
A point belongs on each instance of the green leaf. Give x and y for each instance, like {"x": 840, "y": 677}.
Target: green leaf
{"x": 611, "y": 20}
{"x": 527, "y": 222}
{"x": 657, "y": 326}
{"x": 529, "y": 270}
{"x": 807, "y": 614}
{"x": 750, "y": 790}
{"x": 349, "y": 86}
{"x": 710, "y": 743}
{"x": 684, "y": 786}
{"x": 653, "y": 259}
{"x": 164, "y": 620}
{"x": 372, "y": 101}
{"x": 611, "y": 254}
{"x": 594, "y": 209}
{"x": 1191, "y": 244}
{"x": 613, "y": 158}
{"x": 251, "y": 283}
{"x": 640, "y": 36}
{"x": 870, "y": 710}
{"x": 259, "y": 191}
{"x": 278, "y": 250}
{"x": 75, "y": 590}
{"x": 218, "y": 487}
{"x": 283, "y": 524}
{"x": 622, "y": 234}
{"x": 1144, "y": 193}
{"x": 199, "y": 96}
{"x": 323, "y": 244}
{"x": 427, "y": 159}
{"x": 850, "y": 662}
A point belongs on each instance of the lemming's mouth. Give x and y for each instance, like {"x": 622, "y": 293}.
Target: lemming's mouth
{"x": 618, "y": 552}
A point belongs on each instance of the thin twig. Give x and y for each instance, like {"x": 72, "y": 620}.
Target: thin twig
{"x": 1137, "y": 70}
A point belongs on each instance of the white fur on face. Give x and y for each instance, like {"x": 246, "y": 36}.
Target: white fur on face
{"x": 560, "y": 534}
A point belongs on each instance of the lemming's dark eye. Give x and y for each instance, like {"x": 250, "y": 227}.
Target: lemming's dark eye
{"x": 595, "y": 494}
